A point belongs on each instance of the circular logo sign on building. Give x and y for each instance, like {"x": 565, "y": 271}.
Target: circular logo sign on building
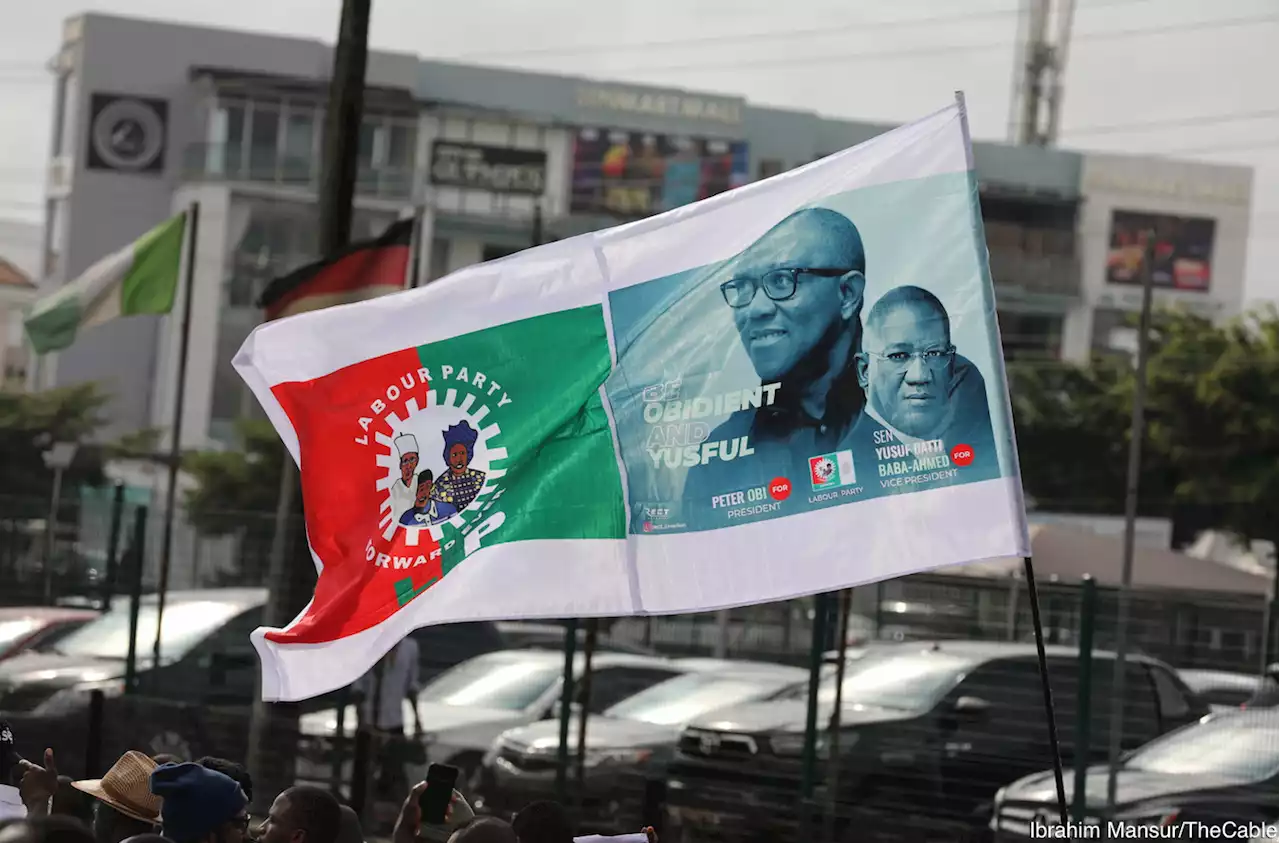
{"x": 127, "y": 134}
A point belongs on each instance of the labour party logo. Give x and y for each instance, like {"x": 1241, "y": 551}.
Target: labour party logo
{"x": 438, "y": 463}
{"x": 827, "y": 471}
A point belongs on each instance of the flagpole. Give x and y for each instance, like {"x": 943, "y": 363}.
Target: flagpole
{"x": 422, "y": 231}
{"x": 175, "y": 445}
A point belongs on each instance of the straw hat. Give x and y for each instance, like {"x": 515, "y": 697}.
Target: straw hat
{"x": 127, "y": 787}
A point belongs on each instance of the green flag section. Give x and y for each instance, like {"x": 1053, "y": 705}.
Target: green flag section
{"x": 140, "y": 278}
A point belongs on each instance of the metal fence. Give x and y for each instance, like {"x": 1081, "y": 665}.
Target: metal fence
{"x": 928, "y": 770}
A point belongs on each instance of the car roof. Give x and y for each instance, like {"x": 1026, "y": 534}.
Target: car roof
{"x": 1257, "y": 718}
{"x": 246, "y": 598}
{"x": 60, "y": 613}
{"x": 1202, "y": 679}
{"x": 977, "y": 652}
{"x": 606, "y": 659}
{"x": 744, "y": 668}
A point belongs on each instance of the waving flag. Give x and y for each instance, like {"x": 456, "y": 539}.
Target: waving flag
{"x": 140, "y": 278}
{"x": 793, "y": 387}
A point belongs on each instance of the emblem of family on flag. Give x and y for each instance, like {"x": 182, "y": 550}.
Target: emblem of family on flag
{"x": 790, "y": 388}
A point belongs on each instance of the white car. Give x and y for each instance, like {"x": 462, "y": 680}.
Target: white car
{"x": 465, "y": 708}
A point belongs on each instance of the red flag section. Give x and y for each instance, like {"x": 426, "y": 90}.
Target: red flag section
{"x": 364, "y": 270}
{"x": 342, "y": 419}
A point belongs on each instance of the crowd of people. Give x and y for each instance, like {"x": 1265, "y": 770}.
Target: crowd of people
{"x": 164, "y": 799}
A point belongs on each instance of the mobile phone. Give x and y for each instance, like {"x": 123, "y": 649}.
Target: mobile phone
{"x": 435, "y": 799}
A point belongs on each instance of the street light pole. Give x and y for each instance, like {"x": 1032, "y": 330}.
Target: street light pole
{"x": 1137, "y": 428}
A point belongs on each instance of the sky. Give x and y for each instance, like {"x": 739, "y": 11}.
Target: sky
{"x": 1193, "y": 79}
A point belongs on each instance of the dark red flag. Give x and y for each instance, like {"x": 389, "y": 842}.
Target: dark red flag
{"x": 364, "y": 270}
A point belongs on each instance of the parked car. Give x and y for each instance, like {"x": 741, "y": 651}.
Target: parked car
{"x": 628, "y": 745}
{"x": 521, "y": 635}
{"x": 206, "y": 655}
{"x": 466, "y": 708}
{"x": 25, "y": 628}
{"x": 929, "y": 733}
{"x": 1222, "y": 689}
{"x": 1221, "y": 769}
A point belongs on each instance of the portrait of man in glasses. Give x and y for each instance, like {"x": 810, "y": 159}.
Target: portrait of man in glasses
{"x": 795, "y": 296}
{"x": 919, "y": 389}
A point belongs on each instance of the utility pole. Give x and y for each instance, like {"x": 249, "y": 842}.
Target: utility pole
{"x": 1137, "y": 431}
{"x": 290, "y": 584}
{"x": 1040, "y": 63}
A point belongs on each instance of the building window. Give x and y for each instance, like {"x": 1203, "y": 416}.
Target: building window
{"x": 299, "y": 145}
{"x": 1030, "y": 335}
{"x": 770, "y": 167}
{"x": 264, "y": 139}
{"x": 492, "y": 253}
{"x": 440, "y": 248}
{"x": 1114, "y": 332}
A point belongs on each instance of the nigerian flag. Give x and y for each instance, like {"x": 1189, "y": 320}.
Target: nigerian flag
{"x": 140, "y": 278}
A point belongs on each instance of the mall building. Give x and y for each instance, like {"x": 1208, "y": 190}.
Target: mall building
{"x": 151, "y": 117}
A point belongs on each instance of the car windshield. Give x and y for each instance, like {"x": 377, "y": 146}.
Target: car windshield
{"x": 907, "y": 681}
{"x": 498, "y": 680}
{"x": 683, "y": 698}
{"x": 1228, "y": 747}
{"x": 14, "y": 630}
{"x": 186, "y": 624}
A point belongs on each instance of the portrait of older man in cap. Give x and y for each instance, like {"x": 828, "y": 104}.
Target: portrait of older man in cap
{"x": 794, "y": 295}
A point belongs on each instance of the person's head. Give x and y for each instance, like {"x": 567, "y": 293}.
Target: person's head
{"x": 112, "y": 826}
{"x": 302, "y": 814}
{"x": 55, "y": 828}
{"x": 349, "y": 831}
{"x": 407, "y": 448}
{"x": 484, "y": 830}
{"x": 543, "y": 822}
{"x": 907, "y": 361}
{"x": 459, "y": 446}
{"x": 423, "y": 493}
{"x": 123, "y": 804}
{"x": 200, "y": 805}
{"x": 236, "y": 772}
{"x": 795, "y": 293}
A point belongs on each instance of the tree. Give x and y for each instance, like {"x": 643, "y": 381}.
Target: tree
{"x": 32, "y": 421}
{"x": 1214, "y": 397}
{"x": 236, "y": 493}
{"x": 1072, "y": 426}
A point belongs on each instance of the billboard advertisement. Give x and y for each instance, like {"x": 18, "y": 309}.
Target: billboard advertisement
{"x": 634, "y": 174}
{"x": 1181, "y": 250}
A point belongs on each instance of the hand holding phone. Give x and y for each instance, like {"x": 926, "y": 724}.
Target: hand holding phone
{"x": 434, "y": 800}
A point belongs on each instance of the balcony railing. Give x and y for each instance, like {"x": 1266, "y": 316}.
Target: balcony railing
{"x": 235, "y": 163}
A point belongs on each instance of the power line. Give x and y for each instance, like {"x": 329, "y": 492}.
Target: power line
{"x": 775, "y": 36}
{"x": 1137, "y": 126}
{"x": 895, "y": 53}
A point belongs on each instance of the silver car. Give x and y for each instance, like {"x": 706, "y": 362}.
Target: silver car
{"x": 465, "y": 708}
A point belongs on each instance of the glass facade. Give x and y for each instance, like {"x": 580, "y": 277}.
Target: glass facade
{"x": 279, "y": 141}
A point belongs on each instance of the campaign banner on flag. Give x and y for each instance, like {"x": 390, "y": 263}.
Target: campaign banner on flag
{"x": 793, "y": 387}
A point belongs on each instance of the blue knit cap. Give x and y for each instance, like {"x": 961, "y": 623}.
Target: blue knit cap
{"x": 196, "y": 800}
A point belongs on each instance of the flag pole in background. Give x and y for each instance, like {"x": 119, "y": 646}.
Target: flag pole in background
{"x": 175, "y": 445}
{"x": 415, "y": 249}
